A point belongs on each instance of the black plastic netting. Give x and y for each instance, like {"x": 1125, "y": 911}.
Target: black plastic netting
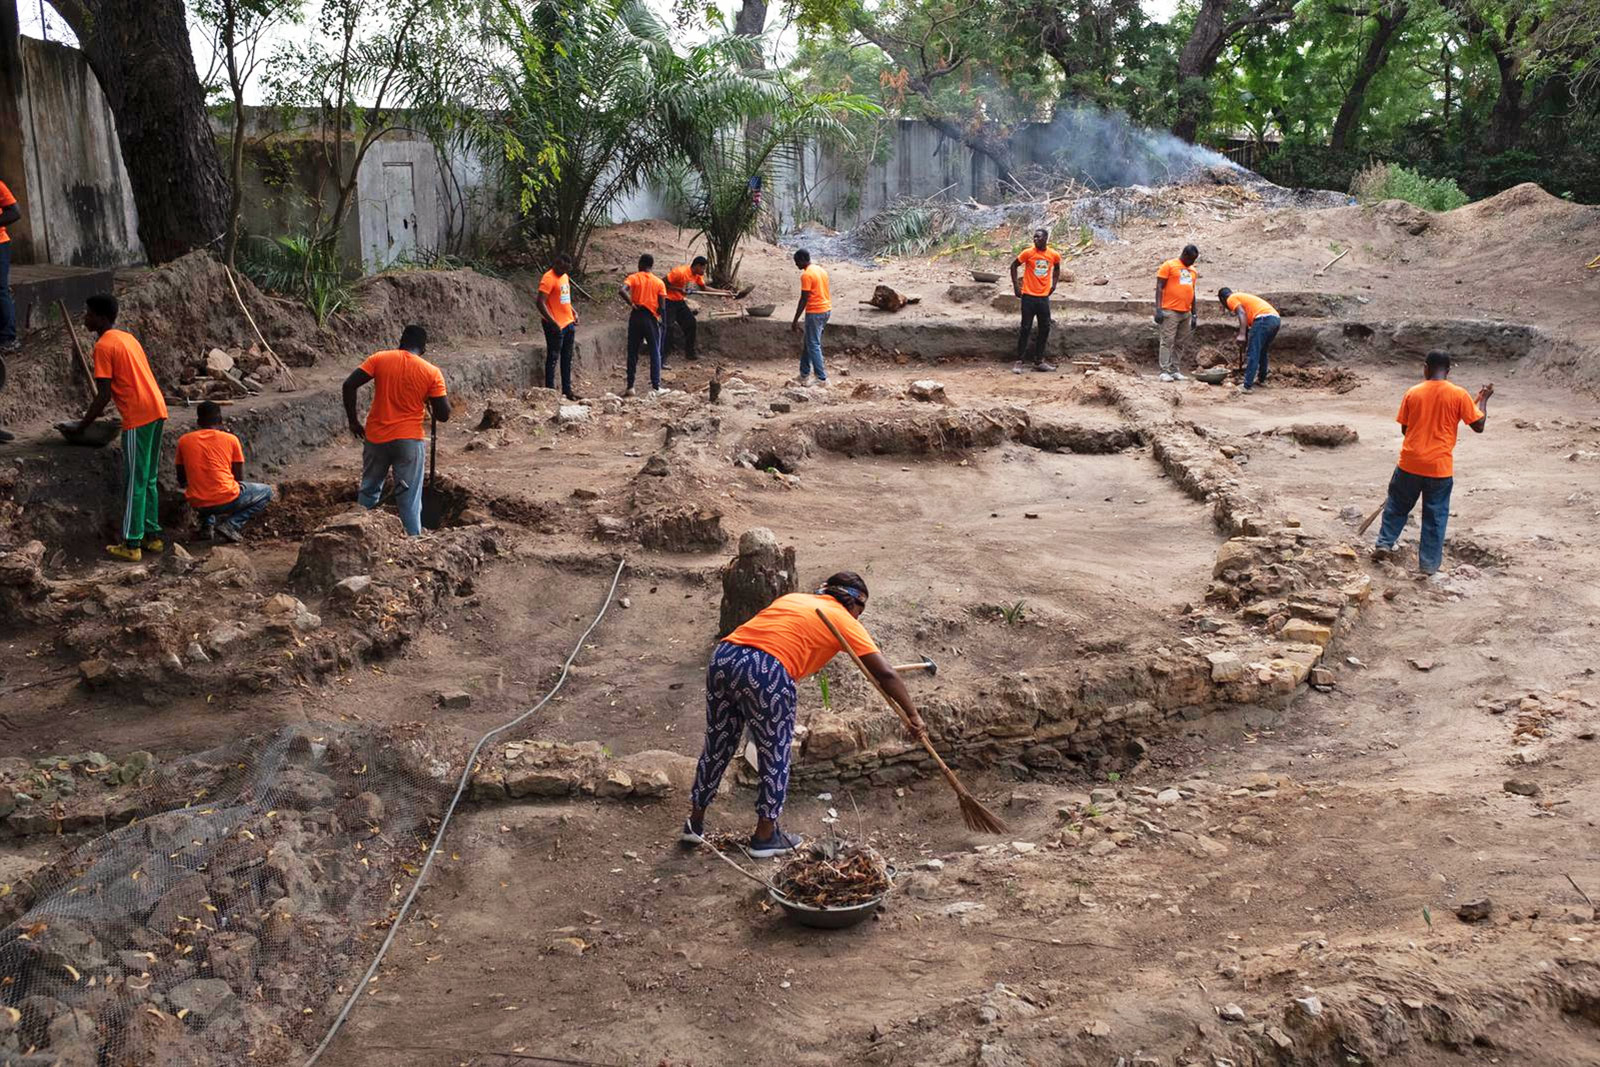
{"x": 228, "y": 923}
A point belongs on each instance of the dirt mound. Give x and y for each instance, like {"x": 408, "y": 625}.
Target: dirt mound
{"x": 182, "y": 309}
{"x": 452, "y": 304}
{"x": 1523, "y": 200}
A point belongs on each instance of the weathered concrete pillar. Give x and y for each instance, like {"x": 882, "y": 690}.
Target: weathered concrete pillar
{"x": 758, "y": 575}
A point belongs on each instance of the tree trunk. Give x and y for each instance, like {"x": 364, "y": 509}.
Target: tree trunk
{"x": 1354, "y": 107}
{"x": 1212, "y": 31}
{"x": 1196, "y": 61}
{"x": 751, "y": 20}
{"x": 1505, "y": 120}
{"x": 139, "y": 51}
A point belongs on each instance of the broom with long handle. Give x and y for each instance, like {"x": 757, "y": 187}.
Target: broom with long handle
{"x": 974, "y": 814}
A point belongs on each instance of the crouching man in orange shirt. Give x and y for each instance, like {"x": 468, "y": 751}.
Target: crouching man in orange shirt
{"x": 1429, "y": 416}
{"x": 210, "y": 465}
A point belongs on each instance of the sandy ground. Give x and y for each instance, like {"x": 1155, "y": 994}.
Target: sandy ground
{"x": 1318, "y": 852}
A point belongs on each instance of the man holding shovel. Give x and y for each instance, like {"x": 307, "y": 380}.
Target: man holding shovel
{"x": 682, "y": 280}
{"x": 1258, "y": 327}
{"x": 1429, "y": 416}
{"x": 751, "y": 683}
{"x": 122, "y": 374}
{"x": 403, "y": 384}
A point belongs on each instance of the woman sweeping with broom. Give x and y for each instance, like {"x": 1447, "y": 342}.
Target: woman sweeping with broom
{"x": 751, "y": 682}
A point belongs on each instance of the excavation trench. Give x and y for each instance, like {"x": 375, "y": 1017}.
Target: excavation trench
{"x": 1087, "y": 330}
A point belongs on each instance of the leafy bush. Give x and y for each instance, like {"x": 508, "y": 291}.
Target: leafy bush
{"x": 1386, "y": 181}
{"x": 296, "y": 267}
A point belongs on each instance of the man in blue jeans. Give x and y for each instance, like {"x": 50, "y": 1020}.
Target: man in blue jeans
{"x": 1258, "y": 328}
{"x": 816, "y": 304}
{"x": 403, "y": 384}
{"x": 210, "y": 468}
{"x": 1429, "y": 417}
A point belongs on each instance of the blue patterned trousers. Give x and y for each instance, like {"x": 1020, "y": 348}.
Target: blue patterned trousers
{"x": 747, "y": 687}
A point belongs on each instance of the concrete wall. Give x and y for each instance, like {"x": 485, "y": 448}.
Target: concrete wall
{"x": 407, "y": 202}
{"x": 79, "y": 201}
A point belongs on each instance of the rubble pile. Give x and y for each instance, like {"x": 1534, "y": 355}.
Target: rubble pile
{"x": 182, "y": 619}
{"x": 221, "y": 929}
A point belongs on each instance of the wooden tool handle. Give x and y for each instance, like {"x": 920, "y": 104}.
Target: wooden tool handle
{"x": 1370, "y": 519}
{"x": 921, "y": 735}
{"x": 77, "y": 346}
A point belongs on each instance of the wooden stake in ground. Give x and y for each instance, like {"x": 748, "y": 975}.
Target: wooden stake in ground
{"x": 973, "y": 813}
{"x": 1370, "y": 519}
{"x": 283, "y": 368}
{"x": 77, "y": 346}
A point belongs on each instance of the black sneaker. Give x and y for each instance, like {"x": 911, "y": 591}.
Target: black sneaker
{"x": 778, "y": 844}
{"x": 227, "y": 531}
{"x": 693, "y": 836}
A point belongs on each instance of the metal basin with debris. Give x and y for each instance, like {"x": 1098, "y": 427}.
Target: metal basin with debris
{"x": 1212, "y": 376}
{"x": 99, "y": 434}
{"x": 761, "y": 311}
{"x": 830, "y": 918}
{"x": 985, "y": 276}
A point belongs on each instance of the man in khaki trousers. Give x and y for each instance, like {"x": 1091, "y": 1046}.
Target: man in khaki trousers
{"x": 1175, "y": 310}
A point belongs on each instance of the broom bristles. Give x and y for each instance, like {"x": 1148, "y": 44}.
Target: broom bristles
{"x": 977, "y": 817}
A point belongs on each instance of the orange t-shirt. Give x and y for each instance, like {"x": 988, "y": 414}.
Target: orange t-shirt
{"x": 646, "y": 291}
{"x": 789, "y": 630}
{"x": 814, "y": 283}
{"x": 1254, "y": 306}
{"x": 1432, "y": 412}
{"x": 1179, "y": 293}
{"x": 1038, "y": 268}
{"x": 6, "y": 200}
{"x": 556, "y": 292}
{"x": 679, "y": 279}
{"x": 119, "y": 357}
{"x": 401, "y": 385}
{"x": 207, "y": 458}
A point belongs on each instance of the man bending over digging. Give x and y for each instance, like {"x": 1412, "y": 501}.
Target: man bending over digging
{"x": 751, "y": 682}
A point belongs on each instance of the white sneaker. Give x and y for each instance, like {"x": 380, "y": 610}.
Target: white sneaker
{"x": 1018, "y": 368}
{"x": 822, "y": 383}
{"x": 1179, "y": 376}
{"x": 1166, "y": 377}
{"x": 804, "y": 381}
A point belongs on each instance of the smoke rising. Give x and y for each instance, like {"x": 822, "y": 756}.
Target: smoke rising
{"x": 1105, "y": 149}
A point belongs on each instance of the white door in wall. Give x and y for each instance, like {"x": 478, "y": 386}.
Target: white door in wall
{"x": 400, "y": 211}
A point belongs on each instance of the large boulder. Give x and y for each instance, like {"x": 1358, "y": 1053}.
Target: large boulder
{"x": 758, "y": 575}
{"x": 347, "y": 545}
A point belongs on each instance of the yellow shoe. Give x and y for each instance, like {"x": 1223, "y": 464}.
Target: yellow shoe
{"x": 123, "y": 552}
{"x": 155, "y": 544}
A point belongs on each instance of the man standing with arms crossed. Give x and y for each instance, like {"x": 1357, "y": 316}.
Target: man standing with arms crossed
{"x": 1041, "y": 273}
{"x": 815, "y": 304}
{"x": 392, "y": 439}
{"x": 122, "y": 373}
{"x": 1429, "y": 416}
{"x": 560, "y": 320}
{"x": 1175, "y": 311}
{"x": 646, "y": 297}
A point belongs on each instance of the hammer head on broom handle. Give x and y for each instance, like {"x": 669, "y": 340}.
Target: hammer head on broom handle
{"x": 973, "y": 813}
